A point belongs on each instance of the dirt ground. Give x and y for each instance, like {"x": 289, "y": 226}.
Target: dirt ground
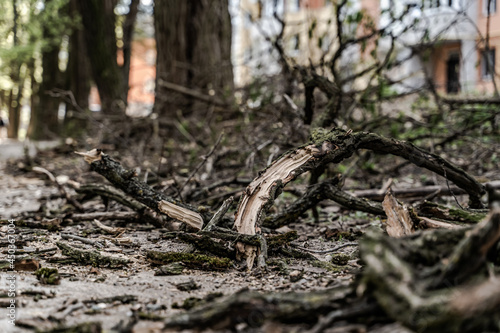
{"x": 82, "y": 292}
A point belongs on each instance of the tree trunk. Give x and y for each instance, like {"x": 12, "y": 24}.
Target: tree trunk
{"x": 98, "y": 20}
{"x": 44, "y": 122}
{"x": 77, "y": 80}
{"x": 14, "y": 111}
{"x": 193, "y": 41}
{"x": 14, "y": 96}
{"x": 128, "y": 31}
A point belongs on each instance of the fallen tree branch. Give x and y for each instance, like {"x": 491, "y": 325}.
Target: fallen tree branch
{"x": 333, "y": 147}
{"x": 471, "y": 252}
{"x": 395, "y": 285}
{"x": 127, "y": 181}
{"x": 253, "y": 308}
{"x": 93, "y": 258}
{"x": 193, "y": 93}
{"x": 109, "y": 192}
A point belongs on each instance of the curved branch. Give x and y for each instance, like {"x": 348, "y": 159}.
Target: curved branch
{"x": 333, "y": 147}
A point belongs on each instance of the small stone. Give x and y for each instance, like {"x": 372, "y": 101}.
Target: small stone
{"x": 187, "y": 286}
{"x": 296, "y": 275}
{"x": 174, "y": 268}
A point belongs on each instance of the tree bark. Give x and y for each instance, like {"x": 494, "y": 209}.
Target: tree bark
{"x": 44, "y": 122}
{"x": 333, "y": 147}
{"x": 77, "y": 80}
{"x": 193, "y": 41}
{"x": 98, "y": 20}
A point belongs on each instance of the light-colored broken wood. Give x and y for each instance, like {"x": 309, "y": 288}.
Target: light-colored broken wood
{"x": 91, "y": 155}
{"x": 261, "y": 192}
{"x": 434, "y": 224}
{"x": 109, "y": 230}
{"x": 398, "y": 221}
{"x": 187, "y": 216}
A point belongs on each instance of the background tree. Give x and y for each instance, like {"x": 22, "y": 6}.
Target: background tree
{"x": 100, "y": 23}
{"x": 55, "y": 24}
{"x": 78, "y": 78}
{"x": 193, "y": 41}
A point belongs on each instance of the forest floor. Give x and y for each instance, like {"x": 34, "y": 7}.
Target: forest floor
{"x": 85, "y": 293}
{"x": 135, "y": 296}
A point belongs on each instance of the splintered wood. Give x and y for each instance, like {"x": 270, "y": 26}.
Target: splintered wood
{"x": 260, "y": 194}
{"x": 127, "y": 181}
{"x": 187, "y": 216}
{"x": 398, "y": 222}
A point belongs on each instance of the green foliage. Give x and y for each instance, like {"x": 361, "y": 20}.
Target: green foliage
{"x": 32, "y": 27}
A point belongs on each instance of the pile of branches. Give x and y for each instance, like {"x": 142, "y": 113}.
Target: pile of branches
{"x": 432, "y": 280}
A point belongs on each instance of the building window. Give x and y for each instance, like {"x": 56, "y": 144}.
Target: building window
{"x": 296, "y": 42}
{"x": 493, "y": 7}
{"x": 432, "y": 3}
{"x": 294, "y": 5}
{"x": 487, "y": 64}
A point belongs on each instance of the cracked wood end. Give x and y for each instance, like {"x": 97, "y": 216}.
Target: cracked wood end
{"x": 261, "y": 192}
{"x": 187, "y": 216}
{"x": 398, "y": 222}
{"x": 91, "y": 155}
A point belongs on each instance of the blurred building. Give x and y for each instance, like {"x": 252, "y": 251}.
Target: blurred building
{"x": 442, "y": 41}
{"x": 447, "y": 41}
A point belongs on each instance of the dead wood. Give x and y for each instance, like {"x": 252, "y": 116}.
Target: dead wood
{"x": 397, "y": 284}
{"x": 145, "y": 213}
{"x": 123, "y": 216}
{"x": 471, "y": 101}
{"x": 253, "y": 308}
{"x": 61, "y": 188}
{"x": 415, "y": 192}
{"x": 93, "y": 258}
{"x": 430, "y": 209}
{"x": 471, "y": 252}
{"x": 127, "y": 181}
{"x": 193, "y": 93}
{"x": 333, "y": 147}
{"x": 399, "y": 222}
{"x": 190, "y": 260}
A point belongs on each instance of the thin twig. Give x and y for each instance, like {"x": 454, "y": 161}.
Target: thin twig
{"x": 204, "y": 160}
{"x": 95, "y": 243}
{"x": 61, "y": 189}
{"x": 327, "y": 250}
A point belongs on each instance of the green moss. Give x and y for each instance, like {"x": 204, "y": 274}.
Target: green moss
{"x": 319, "y": 135}
{"x": 89, "y": 327}
{"x": 48, "y": 276}
{"x": 466, "y": 216}
{"x": 150, "y": 316}
{"x": 340, "y": 259}
{"x": 191, "y": 260}
{"x": 328, "y": 266}
{"x": 282, "y": 240}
